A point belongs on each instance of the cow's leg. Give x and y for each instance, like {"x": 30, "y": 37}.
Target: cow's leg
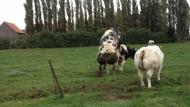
{"x": 158, "y": 73}
{"x": 149, "y": 74}
{"x": 107, "y": 68}
{"x": 121, "y": 64}
{"x": 100, "y": 70}
{"x": 104, "y": 67}
{"x": 113, "y": 70}
{"x": 141, "y": 77}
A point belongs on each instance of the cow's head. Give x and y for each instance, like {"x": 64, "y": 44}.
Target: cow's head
{"x": 131, "y": 53}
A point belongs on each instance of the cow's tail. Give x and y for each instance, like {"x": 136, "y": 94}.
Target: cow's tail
{"x": 141, "y": 58}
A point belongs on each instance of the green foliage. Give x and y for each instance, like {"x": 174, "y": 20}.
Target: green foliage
{"x": 47, "y": 39}
{"x": 70, "y": 39}
{"x": 61, "y": 16}
{"x": 19, "y": 43}
{"x": 44, "y": 40}
{"x": 92, "y": 15}
{"x": 136, "y": 36}
{"x": 4, "y": 43}
{"x": 29, "y": 16}
{"x": 77, "y": 39}
{"x": 142, "y": 36}
{"x": 161, "y": 37}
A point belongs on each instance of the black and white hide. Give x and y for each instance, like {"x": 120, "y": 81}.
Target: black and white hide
{"x": 108, "y": 55}
{"x": 111, "y": 34}
{"x": 125, "y": 53}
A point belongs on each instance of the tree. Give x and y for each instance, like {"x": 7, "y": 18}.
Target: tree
{"x": 144, "y": 13}
{"x": 182, "y": 13}
{"x": 126, "y": 14}
{"x": 44, "y": 10}
{"x": 29, "y": 16}
{"x": 54, "y": 14}
{"x": 118, "y": 16}
{"x": 38, "y": 19}
{"x": 164, "y": 8}
{"x": 85, "y": 15}
{"x": 89, "y": 12}
{"x": 49, "y": 14}
{"x": 68, "y": 10}
{"x": 81, "y": 15}
{"x": 109, "y": 13}
{"x": 77, "y": 3}
{"x": 171, "y": 18}
{"x": 61, "y": 17}
{"x": 135, "y": 14}
{"x": 95, "y": 2}
{"x": 101, "y": 13}
{"x": 72, "y": 17}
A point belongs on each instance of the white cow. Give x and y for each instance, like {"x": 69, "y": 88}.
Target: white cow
{"x": 149, "y": 59}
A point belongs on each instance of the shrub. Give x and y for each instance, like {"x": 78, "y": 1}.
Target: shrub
{"x": 77, "y": 39}
{"x": 4, "y": 43}
{"x": 161, "y": 37}
{"x": 136, "y": 36}
{"x": 20, "y": 42}
{"x": 47, "y": 39}
{"x": 142, "y": 36}
{"x": 71, "y": 39}
{"x": 44, "y": 40}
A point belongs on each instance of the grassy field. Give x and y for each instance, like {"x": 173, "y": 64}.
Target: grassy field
{"x": 26, "y": 79}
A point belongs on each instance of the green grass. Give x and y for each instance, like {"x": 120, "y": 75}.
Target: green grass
{"x": 26, "y": 81}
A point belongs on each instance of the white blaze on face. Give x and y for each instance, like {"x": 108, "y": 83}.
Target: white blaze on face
{"x": 108, "y": 32}
{"x": 150, "y": 42}
{"x": 124, "y": 47}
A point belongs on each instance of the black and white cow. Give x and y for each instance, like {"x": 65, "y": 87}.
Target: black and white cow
{"x": 108, "y": 51}
{"x": 108, "y": 55}
{"x": 125, "y": 53}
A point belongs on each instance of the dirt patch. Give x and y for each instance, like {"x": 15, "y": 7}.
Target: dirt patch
{"x": 116, "y": 96}
{"x": 23, "y": 94}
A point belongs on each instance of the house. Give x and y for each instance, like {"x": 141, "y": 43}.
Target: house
{"x": 10, "y": 30}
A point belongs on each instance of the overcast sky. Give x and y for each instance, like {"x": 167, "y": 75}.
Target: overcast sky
{"x": 13, "y": 11}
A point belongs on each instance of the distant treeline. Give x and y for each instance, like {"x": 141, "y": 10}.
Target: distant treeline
{"x": 168, "y": 16}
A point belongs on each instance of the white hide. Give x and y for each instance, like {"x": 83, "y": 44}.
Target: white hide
{"x": 151, "y": 42}
{"x": 149, "y": 59}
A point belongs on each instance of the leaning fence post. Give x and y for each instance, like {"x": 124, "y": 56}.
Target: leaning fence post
{"x": 55, "y": 80}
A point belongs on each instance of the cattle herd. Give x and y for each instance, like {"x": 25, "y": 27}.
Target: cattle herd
{"x": 112, "y": 53}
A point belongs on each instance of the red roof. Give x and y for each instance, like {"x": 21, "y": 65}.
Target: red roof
{"x": 14, "y": 27}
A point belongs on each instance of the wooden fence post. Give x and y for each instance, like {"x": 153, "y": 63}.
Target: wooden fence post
{"x": 56, "y": 82}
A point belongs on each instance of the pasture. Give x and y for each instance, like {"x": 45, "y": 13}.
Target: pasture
{"x": 26, "y": 80}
